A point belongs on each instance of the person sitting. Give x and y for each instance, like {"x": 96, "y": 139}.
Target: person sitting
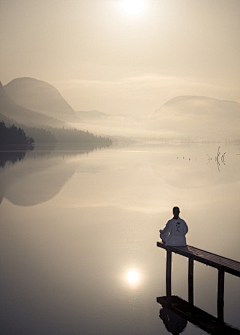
{"x": 175, "y": 230}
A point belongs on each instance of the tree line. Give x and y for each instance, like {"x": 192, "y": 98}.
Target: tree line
{"x": 14, "y": 136}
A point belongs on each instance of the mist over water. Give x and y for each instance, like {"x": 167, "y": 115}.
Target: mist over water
{"x": 79, "y": 231}
{"x": 111, "y": 113}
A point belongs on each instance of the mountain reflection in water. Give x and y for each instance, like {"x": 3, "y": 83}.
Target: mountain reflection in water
{"x": 40, "y": 175}
{"x": 79, "y": 231}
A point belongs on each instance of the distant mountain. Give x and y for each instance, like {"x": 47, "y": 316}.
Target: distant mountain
{"x": 40, "y": 97}
{"x": 42, "y": 128}
{"x": 23, "y": 115}
{"x": 91, "y": 115}
{"x": 198, "y": 117}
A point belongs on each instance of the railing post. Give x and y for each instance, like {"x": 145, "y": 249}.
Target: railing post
{"x": 220, "y": 297}
{"x": 169, "y": 273}
{"x": 190, "y": 281}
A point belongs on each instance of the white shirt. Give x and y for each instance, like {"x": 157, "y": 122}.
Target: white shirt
{"x": 174, "y": 232}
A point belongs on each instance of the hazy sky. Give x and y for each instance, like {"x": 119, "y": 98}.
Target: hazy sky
{"x": 117, "y": 58}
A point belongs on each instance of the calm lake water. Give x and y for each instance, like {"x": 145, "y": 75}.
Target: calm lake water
{"x": 79, "y": 232}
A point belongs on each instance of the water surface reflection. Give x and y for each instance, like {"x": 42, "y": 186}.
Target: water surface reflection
{"x": 132, "y": 277}
{"x": 74, "y": 224}
{"x": 174, "y": 323}
{"x": 36, "y": 177}
{"x": 176, "y": 313}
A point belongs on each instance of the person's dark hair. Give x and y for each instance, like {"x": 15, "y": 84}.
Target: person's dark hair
{"x": 176, "y": 209}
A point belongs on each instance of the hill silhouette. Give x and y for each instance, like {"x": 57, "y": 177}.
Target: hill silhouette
{"x": 40, "y": 97}
{"x": 42, "y": 128}
{"x": 22, "y": 115}
{"x": 198, "y": 117}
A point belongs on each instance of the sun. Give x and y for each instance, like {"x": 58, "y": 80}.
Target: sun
{"x": 134, "y": 7}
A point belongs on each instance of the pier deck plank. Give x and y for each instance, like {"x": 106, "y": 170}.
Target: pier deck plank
{"x": 205, "y": 257}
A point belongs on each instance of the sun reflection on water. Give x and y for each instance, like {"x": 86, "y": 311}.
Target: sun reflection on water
{"x": 132, "y": 277}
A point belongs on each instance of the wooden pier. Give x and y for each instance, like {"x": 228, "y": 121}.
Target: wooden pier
{"x": 222, "y": 264}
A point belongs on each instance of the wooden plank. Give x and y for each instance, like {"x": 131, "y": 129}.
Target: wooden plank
{"x": 207, "y": 258}
{"x": 169, "y": 273}
{"x": 190, "y": 280}
{"x": 220, "y": 297}
{"x": 197, "y": 316}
